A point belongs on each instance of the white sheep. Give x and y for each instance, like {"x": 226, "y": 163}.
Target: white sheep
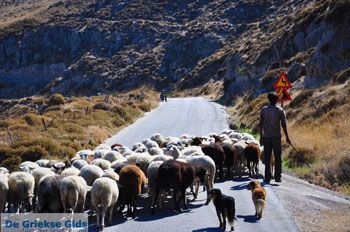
{"x": 90, "y": 173}
{"x": 100, "y": 153}
{"x": 79, "y": 163}
{"x": 155, "y": 151}
{"x": 72, "y": 171}
{"x": 58, "y": 167}
{"x": 21, "y": 190}
{"x": 161, "y": 158}
{"x": 137, "y": 145}
{"x": 235, "y": 135}
{"x": 111, "y": 174}
{"x": 112, "y": 156}
{"x": 143, "y": 160}
{"x": 247, "y": 137}
{"x": 206, "y": 163}
{"x": 239, "y": 159}
{"x": 152, "y": 175}
{"x": 4, "y": 171}
{"x": 103, "y": 147}
{"x": 42, "y": 162}
{"x": 158, "y": 138}
{"x": 84, "y": 154}
{"x": 172, "y": 151}
{"x": 119, "y": 164}
{"x": 151, "y": 144}
{"x": 102, "y": 163}
{"x": 104, "y": 195}
{"x": 73, "y": 191}
{"x": 4, "y": 188}
{"x": 28, "y": 166}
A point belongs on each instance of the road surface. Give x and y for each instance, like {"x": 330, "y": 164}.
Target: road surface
{"x": 196, "y": 116}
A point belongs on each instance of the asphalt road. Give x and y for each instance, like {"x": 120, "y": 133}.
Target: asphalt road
{"x": 196, "y": 116}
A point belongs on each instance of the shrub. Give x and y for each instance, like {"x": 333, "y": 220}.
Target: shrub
{"x": 56, "y": 99}
{"x": 300, "y": 157}
{"x": 103, "y": 106}
{"x": 5, "y": 153}
{"x": 144, "y": 106}
{"x": 118, "y": 121}
{"x": 301, "y": 98}
{"x": 12, "y": 163}
{"x": 34, "y": 153}
{"x": 72, "y": 128}
{"x": 32, "y": 119}
{"x": 122, "y": 112}
{"x": 53, "y": 108}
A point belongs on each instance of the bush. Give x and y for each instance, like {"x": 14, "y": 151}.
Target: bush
{"x": 32, "y": 119}
{"x": 301, "y": 98}
{"x": 144, "y": 106}
{"x": 103, "y": 106}
{"x": 72, "y": 128}
{"x": 122, "y": 112}
{"x": 301, "y": 157}
{"x": 34, "y": 153}
{"x": 118, "y": 121}
{"x": 53, "y": 108}
{"x": 56, "y": 99}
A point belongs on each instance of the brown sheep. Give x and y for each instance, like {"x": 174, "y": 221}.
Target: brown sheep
{"x": 174, "y": 175}
{"x": 131, "y": 180}
{"x": 230, "y": 153}
{"x": 252, "y": 154}
{"x": 214, "y": 151}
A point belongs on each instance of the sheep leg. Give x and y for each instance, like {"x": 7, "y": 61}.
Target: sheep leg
{"x": 183, "y": 196}
{"x": 133, "y": 207}
{"x": 221, "y": 172}
{"x": 155, "y": 200}
{"x": 110, "y": 211}
{"x": 257, "y": 170}
{"x": 207, "y": 185}
{"x": 175, "y": 201}
{"x": 103, "y": 214}
{"x": 249, "y": 169}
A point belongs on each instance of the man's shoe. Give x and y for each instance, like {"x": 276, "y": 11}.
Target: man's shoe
{"x": 266, "y": 181}
{"x": 278, "y": 179}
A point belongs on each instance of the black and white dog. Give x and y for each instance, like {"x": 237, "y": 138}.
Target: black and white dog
{"x": 225, "y": 207}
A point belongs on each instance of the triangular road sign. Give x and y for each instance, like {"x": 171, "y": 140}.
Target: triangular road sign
{"x": 283, "y": 95}
{"x": 282, "y": 82}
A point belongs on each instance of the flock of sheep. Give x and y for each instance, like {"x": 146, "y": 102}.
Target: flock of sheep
{"x": 116, "y": 175}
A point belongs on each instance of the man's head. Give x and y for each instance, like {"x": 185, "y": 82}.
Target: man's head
{"x": 273, "y": 97}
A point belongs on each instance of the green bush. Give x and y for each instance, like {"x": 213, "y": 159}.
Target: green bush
{"x": 56, "y": 99}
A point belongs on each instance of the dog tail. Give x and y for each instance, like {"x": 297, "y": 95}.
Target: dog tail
{"x": 260, "y": 204}
{"x": 231, "y": 214}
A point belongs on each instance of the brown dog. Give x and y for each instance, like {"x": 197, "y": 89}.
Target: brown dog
{"x": 259, "y": 197}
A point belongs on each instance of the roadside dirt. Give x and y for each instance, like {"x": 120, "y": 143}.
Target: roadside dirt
{"x": 313, "y": 208}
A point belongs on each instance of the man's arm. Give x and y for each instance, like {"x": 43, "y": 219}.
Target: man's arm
{"x": 261, "y": 127}
{"x": 284, "y": 126}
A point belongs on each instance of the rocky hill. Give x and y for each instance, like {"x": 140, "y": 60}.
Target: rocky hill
{"x": 88, "y": 47}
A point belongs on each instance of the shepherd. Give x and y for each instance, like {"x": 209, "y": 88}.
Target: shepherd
{"x": 272, "y": 118}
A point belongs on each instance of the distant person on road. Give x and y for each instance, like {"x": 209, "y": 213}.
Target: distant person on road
{"x": 272, "y": 117}
{"x": 163, "y": 96}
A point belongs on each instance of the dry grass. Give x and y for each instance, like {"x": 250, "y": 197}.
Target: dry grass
{"x": 319, "y": 128}
{"x": 76, "y": 124}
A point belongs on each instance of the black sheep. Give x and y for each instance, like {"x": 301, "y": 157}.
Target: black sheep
{"x": 174, "y": 175}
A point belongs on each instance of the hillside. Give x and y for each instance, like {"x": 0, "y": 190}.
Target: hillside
{"x": 106, "y": 46}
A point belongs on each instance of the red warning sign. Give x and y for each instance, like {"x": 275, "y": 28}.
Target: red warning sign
{"x": 283, "y": 95}
{"x": 282, "y": 82}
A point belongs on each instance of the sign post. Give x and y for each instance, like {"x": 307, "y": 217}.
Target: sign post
{"x": 282, "y": 85}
